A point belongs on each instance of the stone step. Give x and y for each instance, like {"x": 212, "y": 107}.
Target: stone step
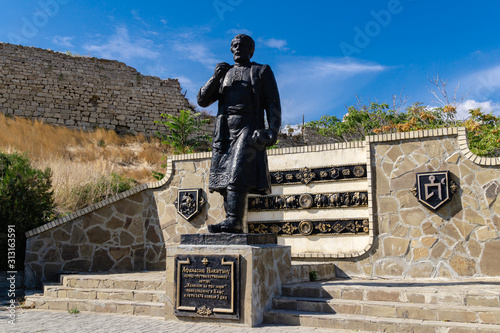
{"x": 371, "y": 323}
{"x": 470, "y": 292}
{"x": 301, "y": 271}
{"x": 155, "y": 309}
{"x": 436, "y": 312}
{"x": 57, "y": 291}
{"x": 129, "y": 281}
{"x": 138, "y": 293}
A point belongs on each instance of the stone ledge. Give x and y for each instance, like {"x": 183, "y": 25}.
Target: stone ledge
{"x": 283, "y": 151}
{"x": 414, "y": 135}
{"x": 462, "y": 139}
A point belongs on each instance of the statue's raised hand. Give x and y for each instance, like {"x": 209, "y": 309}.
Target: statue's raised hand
{"x": 221, "y": 69}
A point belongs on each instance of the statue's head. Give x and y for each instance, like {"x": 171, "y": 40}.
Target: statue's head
{"x": 242, "y": 47}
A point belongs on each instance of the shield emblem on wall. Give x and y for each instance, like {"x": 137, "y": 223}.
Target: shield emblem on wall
{"x": 189, "y": 202}
{"x": 433, "y": 189}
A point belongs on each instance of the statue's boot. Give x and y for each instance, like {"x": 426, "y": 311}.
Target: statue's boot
{"x": 234, "y": 204}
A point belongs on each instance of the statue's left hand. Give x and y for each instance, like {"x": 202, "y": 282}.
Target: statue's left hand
{"x": 263, "y": 138}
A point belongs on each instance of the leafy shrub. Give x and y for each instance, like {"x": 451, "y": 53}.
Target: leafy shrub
{"x": 26, "y": 201}
{"x": 186, "y": 132}
{"x": 483, "y": 133}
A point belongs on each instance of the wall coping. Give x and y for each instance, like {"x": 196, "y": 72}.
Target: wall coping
{"x": 463, "y": 142}
{"x": 461, "y": 132}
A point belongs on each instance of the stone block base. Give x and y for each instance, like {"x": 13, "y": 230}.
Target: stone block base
{"x": 263, "y": 270}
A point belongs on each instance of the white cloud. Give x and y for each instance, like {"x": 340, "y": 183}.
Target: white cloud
{"x": 120, "y": 46}
{"x": 137, "y": 16}
{"x": 188, "y": 84}
{"x": 329, "y": 68}
{"x": 157, "y": 69}
{"x": 487, "y": 107}
{"x": 315, "y": 86}
{"x": 197, "y": 52}
{"x": 63, "y": 41}
{"x": 164, "y": 22}
{"x": 274, "y": 43}
{"x": 482, "y": 84}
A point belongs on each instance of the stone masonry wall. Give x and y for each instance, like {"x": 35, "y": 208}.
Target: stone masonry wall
{"x": 460, "y": 240}
{"x": 83, "y": 92}
{"x": 124, "y": 236}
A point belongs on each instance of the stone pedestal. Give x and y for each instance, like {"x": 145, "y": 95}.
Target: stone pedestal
{"x": 262, "y": 264}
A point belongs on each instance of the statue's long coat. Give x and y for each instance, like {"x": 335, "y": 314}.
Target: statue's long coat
{"x": 236, "y": 158}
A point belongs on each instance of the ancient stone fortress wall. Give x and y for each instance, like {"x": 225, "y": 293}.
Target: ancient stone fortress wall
{"x": 349, "y": 204}
{"x": 83, "y": 92}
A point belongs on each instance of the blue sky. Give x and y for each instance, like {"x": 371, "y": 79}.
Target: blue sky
{"x": 325, "y": 54}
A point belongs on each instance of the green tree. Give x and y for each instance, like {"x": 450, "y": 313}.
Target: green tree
{"x": 185, "y": 131}
{"x": 326, "y": 125}
{"x": 358, "y": 122}
{"x": 26, "y": 201}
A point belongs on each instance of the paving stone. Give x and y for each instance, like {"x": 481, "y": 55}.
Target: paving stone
{"x": 416, "y": 313}
{"x": 382, "y": 295}
{"x": 62, "y": 321}
{"x": 353, "y": 294}
{"x": 483, "y": 300}
{"x": 457, "y": 316}
{"x": 489, "y": 317}
{"x": 379, "y": 310}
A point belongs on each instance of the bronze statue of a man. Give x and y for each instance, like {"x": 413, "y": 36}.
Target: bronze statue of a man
{"x": 239, "y": 161}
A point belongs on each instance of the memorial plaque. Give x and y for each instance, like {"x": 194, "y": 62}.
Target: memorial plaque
{"x": 207, "y": 286}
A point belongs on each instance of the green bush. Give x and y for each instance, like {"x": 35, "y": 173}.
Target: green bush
{"x": 483, "y": 132}
{"x": 26, "y": 201}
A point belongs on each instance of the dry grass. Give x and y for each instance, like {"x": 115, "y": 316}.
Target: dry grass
{"x": 79, "y": 157}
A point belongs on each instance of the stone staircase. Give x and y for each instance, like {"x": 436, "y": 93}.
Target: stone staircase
{"x": 141, "y": 293}
{"x": 444, "y": 306}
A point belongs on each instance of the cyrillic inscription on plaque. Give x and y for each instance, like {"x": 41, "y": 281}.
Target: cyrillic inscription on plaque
{"x": 207, "y": 286}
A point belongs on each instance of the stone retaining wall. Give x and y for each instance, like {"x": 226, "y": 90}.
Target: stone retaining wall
{"x": 462, "y": 239}
{"x": 458, "y": 240}
{"x": 84, "y": 92}
{"x": 124, "y": 236}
